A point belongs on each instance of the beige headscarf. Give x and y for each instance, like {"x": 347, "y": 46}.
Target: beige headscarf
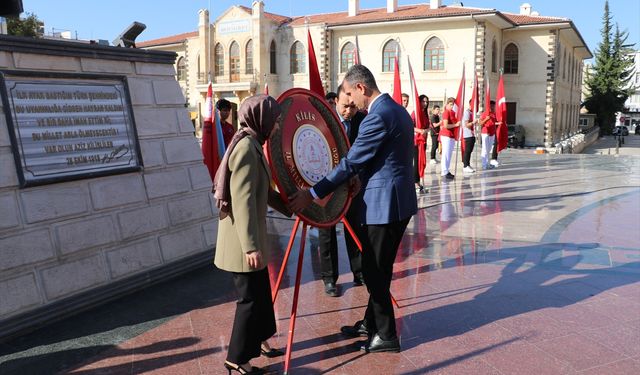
{"x": 258, "y": 115}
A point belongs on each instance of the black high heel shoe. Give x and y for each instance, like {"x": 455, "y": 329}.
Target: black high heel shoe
{"x": 233, "y": 367}
{"x": 271, "y": 353}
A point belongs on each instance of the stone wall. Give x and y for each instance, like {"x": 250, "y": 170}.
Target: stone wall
{"x": 62, "y": 242}
{"x": 576, "y": 143}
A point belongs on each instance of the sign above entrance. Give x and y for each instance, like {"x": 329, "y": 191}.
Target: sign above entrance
{"x": 309, "y": 144}
{"x": 233, "y": 27}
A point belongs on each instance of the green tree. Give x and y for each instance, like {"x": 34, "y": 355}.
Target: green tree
{"x": 609, "y": 82}
{"x": 24, "y": 26}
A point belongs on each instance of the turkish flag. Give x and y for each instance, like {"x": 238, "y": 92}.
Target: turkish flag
{"x": 315, "y": 83}
{"x": 419, "y": 118}
{"x": 210, "y": 150}
{"x": 397, "y": 85}
{"x": 502, "y": 135}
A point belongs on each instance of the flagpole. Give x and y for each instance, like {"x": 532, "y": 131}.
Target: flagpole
{"x": 474, "y": 109}
{"x": 460, "y": 120}
{"x": 209, "y": 44}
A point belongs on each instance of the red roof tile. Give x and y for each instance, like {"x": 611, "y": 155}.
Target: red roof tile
{"x": 173, "y": 39}
{"x": 405, "y": 12}
{"x": 380, "y": 14}
{"x": 520, "y": 19}
{"x": 272, "y": 16}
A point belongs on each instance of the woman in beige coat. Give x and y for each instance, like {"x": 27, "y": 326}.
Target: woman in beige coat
{"x": 242, "y": 190}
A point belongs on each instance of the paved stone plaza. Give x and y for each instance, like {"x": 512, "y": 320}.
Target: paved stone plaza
{"x": 532, "y": 268}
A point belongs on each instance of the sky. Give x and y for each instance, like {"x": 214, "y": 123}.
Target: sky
{"x": 99, "y": 19}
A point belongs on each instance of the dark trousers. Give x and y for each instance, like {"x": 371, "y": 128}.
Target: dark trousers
{"x": 468, "y": 149}
{"x": 434, "y": 145}
{"x": 328, "y": 247}
{"x": 494, "y": 152}
{"x": 416, "y": 150}
{"x": 380, "y": 246}
{"x": 255, "y": 321}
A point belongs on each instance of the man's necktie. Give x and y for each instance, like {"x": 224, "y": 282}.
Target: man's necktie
{"x": 347, "y": 125}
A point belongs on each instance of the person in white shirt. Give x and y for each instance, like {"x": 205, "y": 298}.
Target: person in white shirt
{"x": 468, "y": 133}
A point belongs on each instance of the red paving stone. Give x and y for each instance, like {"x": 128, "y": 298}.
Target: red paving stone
{"x": 483, "y": 289}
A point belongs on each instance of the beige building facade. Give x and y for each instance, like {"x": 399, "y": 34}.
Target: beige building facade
{"x": 246, "y": 48}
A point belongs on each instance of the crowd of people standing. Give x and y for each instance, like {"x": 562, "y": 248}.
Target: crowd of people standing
{"x": 444, "y": 129}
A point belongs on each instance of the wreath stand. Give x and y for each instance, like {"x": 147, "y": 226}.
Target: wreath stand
{"x": 294, "y": 307}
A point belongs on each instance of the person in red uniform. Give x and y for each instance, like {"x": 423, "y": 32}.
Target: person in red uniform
{"x": 224, "y": 107}
{"x": 420, "y": 140}
{"x": 488, "y": 122}
{"x": 448, "y": 137}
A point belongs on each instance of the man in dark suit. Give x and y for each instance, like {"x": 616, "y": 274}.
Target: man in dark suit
{"x": 327, "y": 237}
{"x": 383, "y": 161}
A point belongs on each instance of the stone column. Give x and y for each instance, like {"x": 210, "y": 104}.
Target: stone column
{"x": 549, "y": 119}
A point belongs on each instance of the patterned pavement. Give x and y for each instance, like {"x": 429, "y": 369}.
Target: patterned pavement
{"x": 531, "y": 268}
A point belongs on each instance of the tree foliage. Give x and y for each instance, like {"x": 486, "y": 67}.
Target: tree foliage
{"x": 609, "y": 81}
{"x": 23, "y": 26}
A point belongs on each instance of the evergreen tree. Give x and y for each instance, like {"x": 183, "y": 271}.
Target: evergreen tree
{"x": 23, "y": 26}
{"x": 609, "y": 82}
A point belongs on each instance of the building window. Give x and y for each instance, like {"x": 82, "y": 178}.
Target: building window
{"x": 564, "y": 65}
{"x": 434, "y": 55}
{"x": 494, "y": 56}
{"x": 559, "y": 61}
{"x": 234, "y": 61}
{"x": 388, "y": 54}
{"x": 248, "y": 53}
{"x": 297, "y": 57}
{"x": 511, "y": 113}
{"x": 219, "y": 60}
{"x": 181, "y": 70}
{"x": 272, "y": 58}
{"x": 347, "y": 57}
{"x": 511, "y": 59}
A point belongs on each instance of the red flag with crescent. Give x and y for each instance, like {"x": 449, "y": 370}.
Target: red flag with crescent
{"x": 397, "y": 84}
{"x": 502, "y": 135}
{"x": 315, "y": 83}
{"x": 458, "y": 108}
{"x": 419, "y": 118}
{"x": 211, "y": 138}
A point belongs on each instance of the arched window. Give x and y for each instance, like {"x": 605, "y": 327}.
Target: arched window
{"x": 511, "y": 59}
{"x": 248, "y": 53}
{"x": 388, "y": 54}
{"x": 181, "y": 70}
{"x": 347, "y": 57}
{"x": 234, "y": 61}
{"x": 494, "y": 56}
{"x": 272, "y": 58}
{"x": 219, "y": 60}
{"x": 297, "y": 58}
{"x": 434, "y": 54}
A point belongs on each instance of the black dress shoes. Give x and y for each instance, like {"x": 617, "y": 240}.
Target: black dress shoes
{"x": 357, "y": 330}
{"x": 378, "y": 345}
{"x": 358, "y": 280}
{"x": 331, "y": 289}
